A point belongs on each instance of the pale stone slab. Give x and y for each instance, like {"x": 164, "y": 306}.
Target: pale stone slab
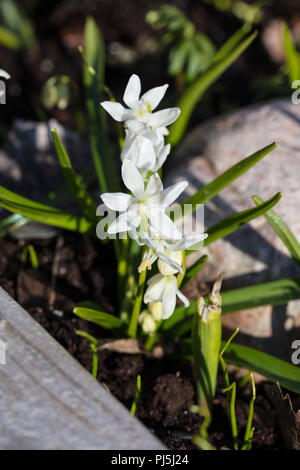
{"x": 49, "y": 401}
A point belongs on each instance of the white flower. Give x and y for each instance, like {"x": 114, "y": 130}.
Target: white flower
{"x": 4, "y": 74}
{"x": 140, "y": 108}
{"x": 147, "y": 151}
{"x": 145, "y": 206}
{"x": 147, "y": 322}
{"x": 164, "y": 288}
{"x": 155, "y": 308}
{"x": 169, "y": 253}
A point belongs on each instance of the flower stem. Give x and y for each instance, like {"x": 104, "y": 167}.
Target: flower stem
{"x": 137, "y": 305}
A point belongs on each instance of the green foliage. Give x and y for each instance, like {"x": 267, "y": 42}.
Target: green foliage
{"x": 136, "y": 395}
{"x": 282, "y": 230}
{"x": 94, "y": 348}
{"x": 292, "y": 56}
{"x": 93, "y": 79}
{"x": 73, "y": 182}
{"x": 30, "y": 250}
{"x": 191, "y": 52}
{"x": 206, "y": 341}
{"x": 103, "y": 319}
{"x": 16, "y": 30}
{"x": 248, "y": 13}
{"x": 195, "y": 91}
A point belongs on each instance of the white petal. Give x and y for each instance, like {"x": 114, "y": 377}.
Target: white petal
{"x": 188, "y": 241}
{"x": 154, "y": 186}
{"x": 140, "y": 151}
{"x": 154, "y": 96}
{"x": 170, "y": 194}
{"x": 167, "y": 265}
{"x": 163, "y": 224}
{"x": 163, "y": 118}
{"x": 132, "y": 92}
{"x": 120, "y": 224}
{"x": 4, "y": 74}
{"x": 169, "y": 298}
{"x": 162, "y": 156}
{"x": 155, "y": 289}
{"x": 135, "y": 126}
{"x": 116, "y": 201}
{"x": 183, "y": 298}
{"x": 116, "y": 110}
{"x": 132, "y": 178}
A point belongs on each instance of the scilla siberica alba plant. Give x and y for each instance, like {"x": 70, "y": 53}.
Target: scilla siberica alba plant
{"x": 143, "y": 212}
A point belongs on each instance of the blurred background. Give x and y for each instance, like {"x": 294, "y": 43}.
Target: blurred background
{"x": 161, "y": 41}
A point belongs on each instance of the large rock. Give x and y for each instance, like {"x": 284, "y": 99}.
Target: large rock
{"x": 254, "y": 253}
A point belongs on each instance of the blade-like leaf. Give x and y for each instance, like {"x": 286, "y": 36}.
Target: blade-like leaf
{"x": 282, "y": 230}
{"x": 268, "y": 366}
{"x": 74, "y": 183}
{"x": 94, "y": 56}
{"x": 194, "y": 92}
{"x": 193, "y": 270}
{"x": 233, "y": 222}
{"x": 42, "y": 213}
{"x": 269, "y": 293}
{"x": 103, "y": 319}
{"x": 211, "y": 189}
{"x": 232, "y": 42}
{"x": 292, "y": 56}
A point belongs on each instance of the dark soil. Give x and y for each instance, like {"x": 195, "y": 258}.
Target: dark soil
{"x": 83, "y": 270}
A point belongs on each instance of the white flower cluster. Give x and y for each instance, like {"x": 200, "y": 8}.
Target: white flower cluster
{"x": 3, "y": 74}
{"x": 143, "y": 212}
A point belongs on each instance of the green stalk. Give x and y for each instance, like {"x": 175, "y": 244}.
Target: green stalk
{"x": 134, "y": 320}
{"x": 206, "y": 343}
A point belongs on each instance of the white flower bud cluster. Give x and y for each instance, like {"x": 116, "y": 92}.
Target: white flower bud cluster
{"x": 143, "y": 212}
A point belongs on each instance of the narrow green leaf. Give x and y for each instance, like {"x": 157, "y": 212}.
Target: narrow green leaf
{"x": 94, "y": 56}
{"x": 235, "y": 221}
{"x": 268, "y": 366}
{"x": 100, "y": 318}
{"x": 292, "y": 56}
{"x": 195, "y": 91}
{"x": 42, "y": 213}
{"x": 30, "y": 250}
{"x": 193, "y": 270}
{"x": 136, "y": 395}
{"x": 211, "y": 189}
{"x": 269, "y": 293}
{"x": 232, "y": 42}
{"x": 282, "y": 230}
{"x": 74, "y": 183}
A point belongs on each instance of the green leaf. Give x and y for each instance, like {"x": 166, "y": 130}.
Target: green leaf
{"x": 193, "y": 270}
{"x": 211, "y": 189}
{"x": 232, "y": 42}
{"x": 269, "y": 293}
{"x": 269, "y": 366}
{"x": 252, "y": 359}
{"x": 235, "y": 221}
{"x": 94, "y": 56}
{"x": 103, "y": 319}
{"x": 292, "y": 56}
{"x": 74, "y": 183}
{"x": 42, "y": 213}
{"x": 195, "y": 91}
{"x": 282, "y": 230}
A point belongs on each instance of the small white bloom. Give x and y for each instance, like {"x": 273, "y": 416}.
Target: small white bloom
{"x": 147, "y": 322}
{"x": 169, "y": 253}
{"x": 4, "y": 74}
{"x": 164, "y": 289}
{"x": 140, "y": 108}
{"x": 146, "y": 205}
{"x": 155, "y": 308}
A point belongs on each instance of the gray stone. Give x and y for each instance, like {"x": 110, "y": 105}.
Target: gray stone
{"x": 29, "y": 166}
{"x": 254, "y": 253}
{"x": 47, "y": 399}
